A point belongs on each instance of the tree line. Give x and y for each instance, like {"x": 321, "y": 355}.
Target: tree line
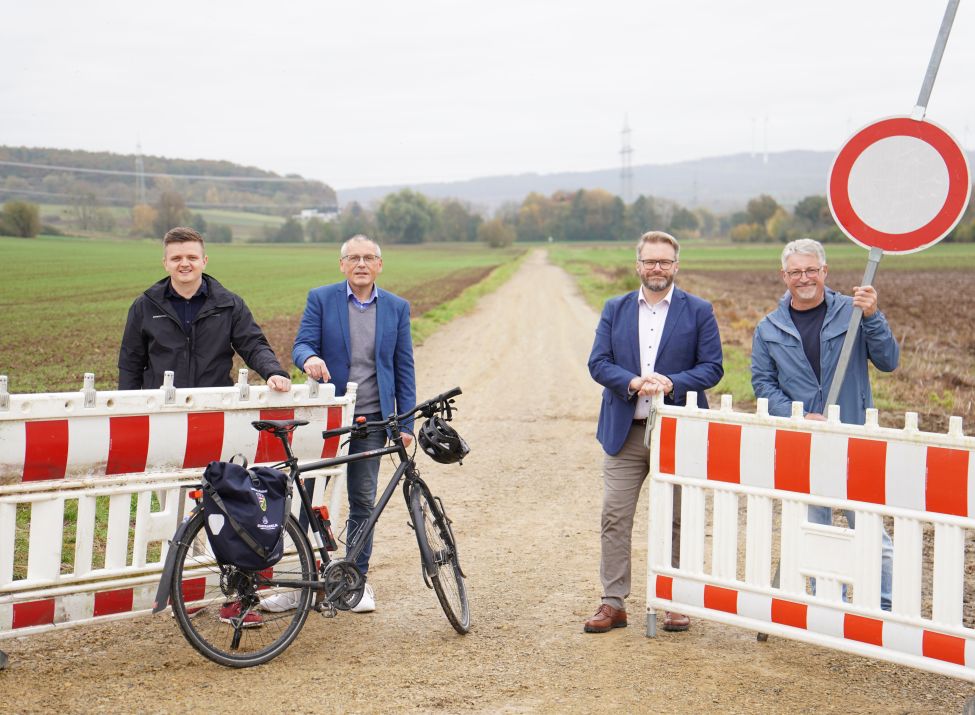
{"x": 409, "y": 217}
{"x": 585, "y": 215}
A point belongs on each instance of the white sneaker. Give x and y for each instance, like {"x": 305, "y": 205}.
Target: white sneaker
{"x": 281, "y": 602}
{"x": 367, "y": 604}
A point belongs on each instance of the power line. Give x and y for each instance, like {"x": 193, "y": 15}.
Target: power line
{"x": 128, "y": 202}
{"x": 117, "y": 172}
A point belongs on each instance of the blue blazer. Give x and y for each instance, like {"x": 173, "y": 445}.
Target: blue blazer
{"x": 324, "y": 331}
{"x": 689, "y": 354}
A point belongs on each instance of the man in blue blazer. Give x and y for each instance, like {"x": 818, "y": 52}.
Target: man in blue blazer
{"x": 354, "y": 332}
{"x": 658, "y": 339}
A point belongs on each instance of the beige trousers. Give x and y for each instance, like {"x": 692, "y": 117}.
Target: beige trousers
{"x": 623, "y": 477}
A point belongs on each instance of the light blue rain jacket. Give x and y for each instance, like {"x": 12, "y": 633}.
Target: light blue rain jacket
{"x": 781, "y": 373}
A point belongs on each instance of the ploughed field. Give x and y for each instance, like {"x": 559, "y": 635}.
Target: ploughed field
{"x": 928, "y": 298}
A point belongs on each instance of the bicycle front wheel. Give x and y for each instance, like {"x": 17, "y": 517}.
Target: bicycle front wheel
{"x": 218, "y": 608}
{"x": 438, "y": 551}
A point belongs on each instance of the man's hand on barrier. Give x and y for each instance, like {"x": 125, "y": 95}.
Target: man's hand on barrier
{"x": 315, "y": 367}
{"x": 815, "y": 417}
{"x": 279, "y": 383}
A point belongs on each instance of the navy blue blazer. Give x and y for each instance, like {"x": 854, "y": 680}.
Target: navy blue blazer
{"x": 689, "y": 354}
{"x": 324, "y": 331}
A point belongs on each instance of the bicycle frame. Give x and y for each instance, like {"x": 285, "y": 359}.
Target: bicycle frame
{"x": 406, "y": 465}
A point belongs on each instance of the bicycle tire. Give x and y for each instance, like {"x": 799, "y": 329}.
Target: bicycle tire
{"x": 202, "y": 589}
{"x": 438, "y": 553}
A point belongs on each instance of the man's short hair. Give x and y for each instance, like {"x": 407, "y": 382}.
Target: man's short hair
{"x": 360, "y": 237}
{"x": 182, "y": 234}
{"x": 657, "y": 237}
{"x": 805, "y": 246}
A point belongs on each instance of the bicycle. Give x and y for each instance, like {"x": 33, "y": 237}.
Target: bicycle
{"x": 217, "y": 605}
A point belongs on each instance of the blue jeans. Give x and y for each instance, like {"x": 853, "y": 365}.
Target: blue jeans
{"x": 824, "y": 515}
{"x": 363, "y": 478}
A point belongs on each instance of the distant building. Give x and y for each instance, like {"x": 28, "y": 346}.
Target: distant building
{"x": 325, "y": 213}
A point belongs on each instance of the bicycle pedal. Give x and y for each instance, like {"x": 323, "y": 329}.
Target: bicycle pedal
{"x": 327, "y": 610}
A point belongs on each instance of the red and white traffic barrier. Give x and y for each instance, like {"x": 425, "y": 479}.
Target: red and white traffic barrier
{"x": 776, "y": 467}
{"x": 75, "y": 465}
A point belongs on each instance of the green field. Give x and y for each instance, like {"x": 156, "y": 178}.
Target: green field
{"x": 65, "y": 300}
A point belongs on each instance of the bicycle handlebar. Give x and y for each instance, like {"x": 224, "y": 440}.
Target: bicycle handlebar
{"x": 439, "y": 403}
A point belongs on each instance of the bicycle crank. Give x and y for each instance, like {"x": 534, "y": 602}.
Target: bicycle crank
{"x": 344, "y": 584}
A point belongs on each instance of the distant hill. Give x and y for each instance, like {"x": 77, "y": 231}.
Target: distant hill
{"x": 58, "y": 176}
{"x": 722, "y": 184}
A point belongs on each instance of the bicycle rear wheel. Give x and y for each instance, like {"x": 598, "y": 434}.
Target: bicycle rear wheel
{"x": 216, "y": 606}
{"x": 438, "y": 551}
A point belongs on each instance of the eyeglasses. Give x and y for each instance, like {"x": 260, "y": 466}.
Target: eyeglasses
{"x": 367, "y": 259}
{"x": 808, "y": 273}
{"x": 650, "y": 263}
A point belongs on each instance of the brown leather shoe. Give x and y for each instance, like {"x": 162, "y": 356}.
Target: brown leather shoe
{"x": 676, "y": 622}
{"x": 606, "y": 619}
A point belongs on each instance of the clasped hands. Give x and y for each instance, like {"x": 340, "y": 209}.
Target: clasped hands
{"x": 649, "y": 385}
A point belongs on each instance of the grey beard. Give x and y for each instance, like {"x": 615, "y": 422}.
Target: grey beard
{"x": 657, "y": 284}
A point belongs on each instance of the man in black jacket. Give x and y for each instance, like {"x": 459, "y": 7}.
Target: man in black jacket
{"x": 190, "y": 324}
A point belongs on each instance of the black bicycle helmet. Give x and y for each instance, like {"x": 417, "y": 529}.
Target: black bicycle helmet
{"x": 441, "y": 442}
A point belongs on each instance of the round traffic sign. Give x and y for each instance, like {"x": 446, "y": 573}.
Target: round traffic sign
{"x": 899, "y": 184}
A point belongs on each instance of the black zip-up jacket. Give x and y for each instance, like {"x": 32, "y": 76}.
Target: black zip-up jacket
{"x": 154, "y": 341}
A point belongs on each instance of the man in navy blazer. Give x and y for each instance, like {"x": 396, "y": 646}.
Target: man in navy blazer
{"x": 354, "y": 332}
{"x": 652, "y": 340}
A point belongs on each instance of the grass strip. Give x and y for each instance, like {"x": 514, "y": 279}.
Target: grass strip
{"x": 425, "y": 325}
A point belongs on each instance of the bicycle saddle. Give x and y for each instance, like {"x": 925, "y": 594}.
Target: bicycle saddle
{"x": 278, "y": 426}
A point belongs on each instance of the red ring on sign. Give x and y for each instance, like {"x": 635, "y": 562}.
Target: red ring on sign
{"x": 931, "y": 232}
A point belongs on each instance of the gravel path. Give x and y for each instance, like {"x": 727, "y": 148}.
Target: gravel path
{"x": 526, "y": 511}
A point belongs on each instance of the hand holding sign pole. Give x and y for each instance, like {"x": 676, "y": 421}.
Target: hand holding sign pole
{"x": 898, "y": 185}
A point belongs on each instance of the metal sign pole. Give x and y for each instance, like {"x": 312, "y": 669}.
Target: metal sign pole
{"x": 873, "y": 260}
{"x": 939, "y": 49}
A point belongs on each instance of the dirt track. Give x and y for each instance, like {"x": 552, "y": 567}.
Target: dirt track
{"x": 526, "y": 512}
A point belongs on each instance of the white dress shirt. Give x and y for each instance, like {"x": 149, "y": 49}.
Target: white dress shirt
{"x": 652, "y": 319}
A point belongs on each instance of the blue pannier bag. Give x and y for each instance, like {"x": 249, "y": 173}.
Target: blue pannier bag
{"x": 244, "y": 514}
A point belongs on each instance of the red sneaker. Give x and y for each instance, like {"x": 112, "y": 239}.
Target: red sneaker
{"x": 230, "y": 613}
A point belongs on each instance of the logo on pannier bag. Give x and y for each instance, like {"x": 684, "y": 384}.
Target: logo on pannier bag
{"x": 265, "y": 526}
{"x": 262, "y": 502}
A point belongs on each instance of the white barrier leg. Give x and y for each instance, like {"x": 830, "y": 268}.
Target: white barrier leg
{"x": 949, "y": 574}
{"x": 758, "y": 541}
{"x": 908, "y": 557}
{"x": 724, "y": 541}
{"x": 867, "y": 542}
{"x": 660, "y": 547}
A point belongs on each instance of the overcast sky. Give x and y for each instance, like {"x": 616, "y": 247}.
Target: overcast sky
{"x": 383, "y": 92}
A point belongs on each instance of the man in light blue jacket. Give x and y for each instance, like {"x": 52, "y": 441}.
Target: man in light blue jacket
{"x": 797, "y": 346}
